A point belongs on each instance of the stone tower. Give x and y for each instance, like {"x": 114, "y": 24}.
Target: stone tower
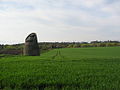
{"x": 31, "y": 47}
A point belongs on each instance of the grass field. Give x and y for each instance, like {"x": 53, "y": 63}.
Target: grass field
{"x": 63, "y": 69}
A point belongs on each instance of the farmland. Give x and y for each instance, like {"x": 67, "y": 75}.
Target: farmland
{"x": 94, "y": 68}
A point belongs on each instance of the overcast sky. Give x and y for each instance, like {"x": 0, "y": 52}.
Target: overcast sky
{"x": 59, "y": 20}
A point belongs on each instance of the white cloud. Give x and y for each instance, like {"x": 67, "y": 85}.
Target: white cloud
{"x": 62, "y": 20}
{"x": 112, "y": 8}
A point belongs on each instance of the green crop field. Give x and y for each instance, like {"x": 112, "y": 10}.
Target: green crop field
{"x": 63, "y": 69}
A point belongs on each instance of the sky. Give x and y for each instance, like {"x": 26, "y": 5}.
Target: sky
{"x": 59, "y": 20}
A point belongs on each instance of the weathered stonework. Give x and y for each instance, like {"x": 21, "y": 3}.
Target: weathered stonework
{"x": 31, "y": 47}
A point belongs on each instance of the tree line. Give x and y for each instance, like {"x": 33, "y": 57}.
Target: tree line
{"x": 17, "y": 49}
